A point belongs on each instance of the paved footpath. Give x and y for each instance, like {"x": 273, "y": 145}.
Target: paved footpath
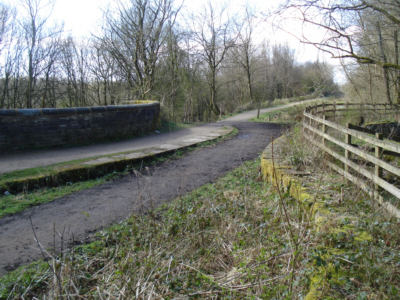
{"x": 24, "y": 160}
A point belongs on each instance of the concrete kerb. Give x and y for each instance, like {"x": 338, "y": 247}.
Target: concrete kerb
{"x": 324, "y": 219}
{"x": 100, "y": 166}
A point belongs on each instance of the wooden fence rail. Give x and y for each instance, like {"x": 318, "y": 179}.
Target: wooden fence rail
{"x": 352, "y": 161}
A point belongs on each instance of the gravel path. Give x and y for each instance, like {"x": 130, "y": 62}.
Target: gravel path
{"x": 82, "y": 213}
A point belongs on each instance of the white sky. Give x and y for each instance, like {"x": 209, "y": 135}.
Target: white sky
{"x": 81, "y": 18}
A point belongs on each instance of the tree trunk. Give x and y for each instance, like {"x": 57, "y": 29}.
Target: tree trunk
{"x": 384, "y": 59}
{"x": 213, "y": 95}
{"x": 5, "y": 91}
{"x": 396, "y": 57}
{"x": 29, "y": 87}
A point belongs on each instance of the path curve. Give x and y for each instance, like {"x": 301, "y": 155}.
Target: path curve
{"x": 81, "y": 213}
{"x": 35, "y": 158}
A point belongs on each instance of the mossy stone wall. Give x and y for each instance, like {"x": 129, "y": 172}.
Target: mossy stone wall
{"x": 54, "y": 127}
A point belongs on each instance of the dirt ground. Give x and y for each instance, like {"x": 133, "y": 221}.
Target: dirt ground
{"x": 76, "y": 217}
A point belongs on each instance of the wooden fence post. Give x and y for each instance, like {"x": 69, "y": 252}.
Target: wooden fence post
{"x": 347, "y": 140}
{"x": 323, "y": 130}
{"x": 334, "y": 110}
{"x": 309, "y": 122}
{"x": 378, "y": 154}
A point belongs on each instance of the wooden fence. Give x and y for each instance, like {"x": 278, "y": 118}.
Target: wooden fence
{"x": 351, "y": 147}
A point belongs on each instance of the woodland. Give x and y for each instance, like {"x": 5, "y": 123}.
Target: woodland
{"x": 197, "y": 66}
{"x": 201, "y": 65}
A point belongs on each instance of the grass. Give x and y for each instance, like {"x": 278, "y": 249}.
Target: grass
{"x": 49, "y": 170}
{"x": 266, "y": 104}
{"x": 233, "y": 239}
{"x": 356, "y": 254}
{"x": 228, "y": 239}
{"x": 290, "y": 115}
{"x": 12, "y": 204}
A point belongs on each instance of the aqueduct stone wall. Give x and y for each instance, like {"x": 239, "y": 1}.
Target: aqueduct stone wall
{"x": 52, "y": 127}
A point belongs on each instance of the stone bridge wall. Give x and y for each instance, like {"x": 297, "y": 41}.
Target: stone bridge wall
{"x": 53, "y": 127}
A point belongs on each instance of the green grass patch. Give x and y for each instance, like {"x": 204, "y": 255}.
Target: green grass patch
{"x": 287, "y": 115}
{"x": 266, "y": 104}
{"x": 12, "y": 204}
{"x": 32, "y": 277}
{"x": 291, "y": 115}
{"x": 49, "y": 170}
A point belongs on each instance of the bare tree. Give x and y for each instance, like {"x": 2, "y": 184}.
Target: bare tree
{"x": 192, "y": 82}
{"x": 36, "y": 35}
{"x": 134, "y": 38}
{"x": 170, "y": 73}
{"x": 340, "y": 21}
{"x": 212, "y": 31}
{"x": 103, "y": 68}
{"x": 75, "y": 69}
{"x": 10, "y": 51}
{"x": 245, "y": 51}
{"x": 50, "y": 61}
{"x": 283, "y": 65}
{"x": 384, "y": 60}
{"x": 361, "y": 30}
{"x": 7, "y": 19}
{"x": 263, "y": 76}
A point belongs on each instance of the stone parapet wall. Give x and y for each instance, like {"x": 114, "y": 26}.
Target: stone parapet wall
{"x": 55, "y": 127}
